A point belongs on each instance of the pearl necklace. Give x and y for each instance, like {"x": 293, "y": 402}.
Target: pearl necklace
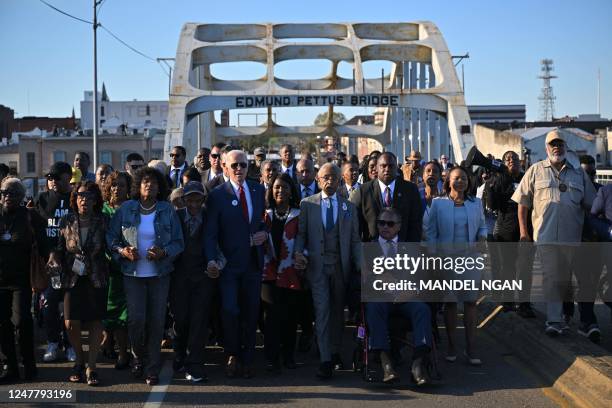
{"x": 281, "y": 217}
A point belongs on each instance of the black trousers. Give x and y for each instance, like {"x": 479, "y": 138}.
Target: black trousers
{"x": 15, "y": 315}
{"x": 190, "y": 306}
{"x": 281, "y": 307}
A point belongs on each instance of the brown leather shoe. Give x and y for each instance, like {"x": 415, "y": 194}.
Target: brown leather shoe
{"x": 232, "y": 367}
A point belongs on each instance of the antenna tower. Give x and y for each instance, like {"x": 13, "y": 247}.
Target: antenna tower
{"x": 547, "y": 99}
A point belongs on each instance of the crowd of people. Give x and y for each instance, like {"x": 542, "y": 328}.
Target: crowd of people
{"x": 213, "y": 251}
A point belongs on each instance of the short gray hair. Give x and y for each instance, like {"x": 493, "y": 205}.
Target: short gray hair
{"x": 13, "y": 183}
{"x": 334, "y": 168}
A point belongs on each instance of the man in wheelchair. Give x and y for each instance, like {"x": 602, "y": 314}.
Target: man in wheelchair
{"x": 379, "y": 314}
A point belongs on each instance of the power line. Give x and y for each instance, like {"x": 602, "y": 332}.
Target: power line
{"x": 126, "y": 44}
{"x": 64, "y": 13}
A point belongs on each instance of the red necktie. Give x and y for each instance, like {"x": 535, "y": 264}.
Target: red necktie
{"x": 243, "y": 203}
{"x": 387, "y": 197}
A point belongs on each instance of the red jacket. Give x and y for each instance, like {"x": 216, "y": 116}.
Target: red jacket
{"x": 280, "y": 267}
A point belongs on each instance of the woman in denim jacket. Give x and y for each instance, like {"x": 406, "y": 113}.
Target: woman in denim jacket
{"x": 145, "y": 237}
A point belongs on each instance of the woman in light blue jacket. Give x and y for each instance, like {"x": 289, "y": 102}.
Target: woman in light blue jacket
{"x": 458, "y": 220}
{"x": 145, "y": 237}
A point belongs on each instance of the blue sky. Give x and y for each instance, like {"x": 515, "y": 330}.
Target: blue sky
{"x": 46, "y": 57}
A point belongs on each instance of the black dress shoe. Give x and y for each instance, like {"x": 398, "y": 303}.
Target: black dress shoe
{"x": 389, "y": 374}
{"x": 289, "y": 363}
{"x": 420, "y": 371}
{"x": 337, "y": 362}
{"x": 325, "y": 370}
{"x": 232, "y": 367}
{"x": 304, "y": 343}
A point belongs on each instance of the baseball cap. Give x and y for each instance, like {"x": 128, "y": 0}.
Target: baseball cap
{"x": 76, "y": 175}
{"x": 554, "y": 135}
{"x": 259, "y": 151}
{"x": 59, "y": 168}
{"x": 193, "y": 187}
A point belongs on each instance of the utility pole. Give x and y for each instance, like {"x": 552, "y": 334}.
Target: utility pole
{"x": 95, "y": 89}
{"x": 598, "y": 91}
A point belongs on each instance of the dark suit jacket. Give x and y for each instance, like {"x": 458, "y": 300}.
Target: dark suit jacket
{"x": 316, "y": 190}
{"x": 170, "y": 175}
{"x": 227, "y": 228}
{"x": 214, "y": 183}
{"x": 294, "y": 175}
{"x": 406, "y": 200}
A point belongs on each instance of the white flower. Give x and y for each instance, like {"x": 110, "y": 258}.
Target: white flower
{"x": 344, "y": 208}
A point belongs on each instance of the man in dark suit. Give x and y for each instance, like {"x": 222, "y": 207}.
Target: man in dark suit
{"x": 215, "y": 168}
{"x": 236, "y": 229}
{"x": 224, "y": 176}
{"x": 306, "y": 178}
{"x": 178, "y": 165}
{"x": 288, "y": 165}
{"x": 350, "y": 174}
{"x": 389, "y": 190}
{"x": 378, "y": 313}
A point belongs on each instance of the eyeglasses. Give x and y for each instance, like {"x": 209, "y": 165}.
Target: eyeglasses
{"x": 175, "y": 155}
{"x": 215, "y": 155}
{"x": 242, "y": 165}
{"x": 8, "y": 193}
{"x": 85, "y": 194}
{"x": 382, "y": 223}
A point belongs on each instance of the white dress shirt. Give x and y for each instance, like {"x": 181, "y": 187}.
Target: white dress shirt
{"x": 290, "y": 168}
{"x": 247, "y": 195}
{"x": 325, "y": 203}
{"x": 382, "y": 190}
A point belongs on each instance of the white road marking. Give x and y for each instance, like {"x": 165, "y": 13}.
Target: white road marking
{"x": 158, "y": 392}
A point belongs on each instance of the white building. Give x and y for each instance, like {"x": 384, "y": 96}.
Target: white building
{"x": 137, "y": 116}
{"x": 577, "y": 140}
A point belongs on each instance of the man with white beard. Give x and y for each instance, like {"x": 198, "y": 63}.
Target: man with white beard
{"x": 558, "y": 195}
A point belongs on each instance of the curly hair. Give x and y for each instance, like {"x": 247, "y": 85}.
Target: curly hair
{"x": 108, "y": 183}
{"x": 468, "y": 189}
{"x": 91, "y": 187}
{"x": 153, "y": 173}
{"x": 294, "y": 200}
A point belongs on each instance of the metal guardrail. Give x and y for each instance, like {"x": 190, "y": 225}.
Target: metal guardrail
{"x": 604, "y": 176}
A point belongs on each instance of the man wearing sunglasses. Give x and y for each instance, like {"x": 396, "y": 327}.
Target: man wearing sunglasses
{"x": 236, "y": 229}
{"x": 178, "y": 165}
{"x": 52, "y": 205}
{"x": 133, "y": 162}
{"x": 215, "y": 169}
{"x": 389, "y": 224}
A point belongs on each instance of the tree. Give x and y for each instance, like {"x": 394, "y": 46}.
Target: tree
{"x": 321, "y": 119}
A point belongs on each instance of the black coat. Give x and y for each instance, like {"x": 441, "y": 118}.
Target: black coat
{"x": 406, "y": 200}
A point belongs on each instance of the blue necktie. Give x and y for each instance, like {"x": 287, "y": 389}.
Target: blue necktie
{"x": 329, "y": 216}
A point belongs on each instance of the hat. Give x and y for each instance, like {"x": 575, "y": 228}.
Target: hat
{"x": 59, "y": 168}
{"x": 193, "y": 187}
{"x": 554, "y": 135}
{"x": 259, "y": 151}
{"x": 76, "y": 175}
{"x": 415, "y": 155}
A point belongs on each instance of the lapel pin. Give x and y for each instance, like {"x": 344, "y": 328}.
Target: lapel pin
{"x": 234, "y": 203}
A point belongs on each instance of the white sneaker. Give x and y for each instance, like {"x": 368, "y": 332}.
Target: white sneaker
{"x": 70, "y": 354}
{"x": 52, "y": 353}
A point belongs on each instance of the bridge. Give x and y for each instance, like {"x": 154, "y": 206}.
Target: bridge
{"x": 422, "y": 98}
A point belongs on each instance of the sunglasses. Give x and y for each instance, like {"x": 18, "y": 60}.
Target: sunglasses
{"x": 136, "y": 166}
{"x": 52, "y": 177}
{"x": 242, "y": 165}
{"x": 215, "y": 155}
{"x": 175, "y": 155}
{"x": 382, "y": 223}
{"x": 85, "y": 194}
{"x": 8, "y": 193}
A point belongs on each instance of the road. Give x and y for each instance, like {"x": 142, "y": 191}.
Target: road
{"x": 501, "y": 381}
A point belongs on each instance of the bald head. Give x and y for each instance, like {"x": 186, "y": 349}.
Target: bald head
{"x": 305, "y": 172}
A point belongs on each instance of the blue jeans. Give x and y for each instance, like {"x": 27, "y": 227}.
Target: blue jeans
{"x": 147, "y": 301}
{"x": 377, "y": 318}
{"x": 53, "y": 321}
